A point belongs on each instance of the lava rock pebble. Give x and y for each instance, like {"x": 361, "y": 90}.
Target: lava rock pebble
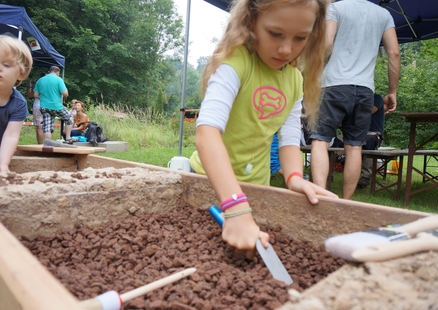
{"x": 127, "y": 253}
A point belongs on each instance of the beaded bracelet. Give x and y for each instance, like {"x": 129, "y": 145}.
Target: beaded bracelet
{"x": 237, "y": 213}
{"x": 293, "y": 174}
{"x": 233, "y": 200}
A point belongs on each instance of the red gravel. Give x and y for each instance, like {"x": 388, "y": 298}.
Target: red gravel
{"x": 127, "y": 253}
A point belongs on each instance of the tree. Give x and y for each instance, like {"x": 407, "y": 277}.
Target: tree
{"x": 416, "y": 92}
{"x": 113, "y": 48}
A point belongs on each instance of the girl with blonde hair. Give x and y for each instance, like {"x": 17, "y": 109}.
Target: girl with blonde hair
{"x": 253, "y": 87}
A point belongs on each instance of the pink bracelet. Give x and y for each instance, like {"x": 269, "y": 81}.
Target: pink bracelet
{"x": 233, "y": 200}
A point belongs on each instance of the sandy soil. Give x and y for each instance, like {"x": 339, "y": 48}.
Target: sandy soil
{"x": 405, "y": 283}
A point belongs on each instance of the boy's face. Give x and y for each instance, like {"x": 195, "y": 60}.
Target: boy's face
{"x": 282, "y": 32}
{"x": 10, "y": 71}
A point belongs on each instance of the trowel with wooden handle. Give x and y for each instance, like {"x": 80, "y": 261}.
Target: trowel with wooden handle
{"x": 385, "y": 251}
{"x": 270, "y": 258}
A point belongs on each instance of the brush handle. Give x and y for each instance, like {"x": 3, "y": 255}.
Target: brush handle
{"x": 155, "y": 285}
{"x": 423, "y": 224}
{"x": 113, "y": 301}
{"x": 91, "y": 304}
{"x": 391, "y": 250}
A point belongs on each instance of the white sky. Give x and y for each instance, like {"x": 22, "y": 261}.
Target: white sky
{"x": 206, "y": 22}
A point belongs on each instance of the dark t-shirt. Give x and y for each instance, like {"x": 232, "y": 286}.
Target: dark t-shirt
{"x": 14, "y": 111}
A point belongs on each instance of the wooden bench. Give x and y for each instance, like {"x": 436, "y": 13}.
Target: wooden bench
{"x": 65, "y": 150}
{"x": 430, "y": 156}
{"x": 333, "y": 152}
{"x": 376, "y": 185}
{"x": 386, "y": 156}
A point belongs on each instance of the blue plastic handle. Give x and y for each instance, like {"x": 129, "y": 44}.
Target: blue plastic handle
{"x": 217, "y": 214}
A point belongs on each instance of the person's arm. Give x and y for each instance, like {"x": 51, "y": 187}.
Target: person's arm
{"x": 64, "y": 95}
{"x": 390, "y": 42}
{"x": 84, "y": 123}
{"x": 30, "y": 90}
{"x": 36, "y": 95}
{"x": 9, "y": 144}
{"x": 240, "y": 232}
{"x": 330, "y": 37}
{"x": 291, "y": 158}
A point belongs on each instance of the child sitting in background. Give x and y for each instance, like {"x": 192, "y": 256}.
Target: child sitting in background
{"x": 15, "y": 65}
{"x": 80, "y": 119}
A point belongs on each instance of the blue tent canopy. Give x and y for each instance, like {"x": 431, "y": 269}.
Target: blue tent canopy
{"x": 14, "y": 20}
{"x": 414, "y": 19}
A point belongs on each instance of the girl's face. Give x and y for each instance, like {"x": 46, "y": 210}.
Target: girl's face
{"x": 78, "y": 106}
{"x": 282, "y": 32}
{"x": 10, "y": 71}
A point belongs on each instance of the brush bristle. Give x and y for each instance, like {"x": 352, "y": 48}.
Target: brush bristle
{"x": 344, "y": 245}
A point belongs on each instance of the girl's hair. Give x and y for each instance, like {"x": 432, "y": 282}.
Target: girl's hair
{"x": 81, "y": 103}
{"x": 19, "y": 52}
{"x": 310, "y": 61}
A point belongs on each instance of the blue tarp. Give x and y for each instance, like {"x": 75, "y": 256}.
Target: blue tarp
{"x": 14, "y": 19}
{"x": 414, "y": 19}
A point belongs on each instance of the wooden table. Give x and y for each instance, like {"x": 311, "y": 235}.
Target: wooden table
{"x": 414, "y": 118}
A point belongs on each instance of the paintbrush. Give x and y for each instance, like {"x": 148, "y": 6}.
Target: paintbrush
{"x": 381, "y": 252}
{"x": 344, "y": 245}
{"x": 113, "y": 301}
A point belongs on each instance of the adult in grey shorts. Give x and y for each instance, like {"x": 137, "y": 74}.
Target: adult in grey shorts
{"x": 37, "y": 116}
{"x": 355, "y": 29}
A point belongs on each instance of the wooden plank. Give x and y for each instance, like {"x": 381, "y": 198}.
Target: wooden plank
{"x": 25, "y": 284}
{"x": 64, "y": 150}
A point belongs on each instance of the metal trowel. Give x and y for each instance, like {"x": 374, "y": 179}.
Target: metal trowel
{"x": 270, "y": 258}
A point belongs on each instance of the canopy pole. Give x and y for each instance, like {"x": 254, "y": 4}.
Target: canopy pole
{"x": 20, "y": 32}
{"x": 183, "y": 89}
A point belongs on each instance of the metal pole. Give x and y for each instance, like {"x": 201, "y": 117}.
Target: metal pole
{"x": 183, "y": 89}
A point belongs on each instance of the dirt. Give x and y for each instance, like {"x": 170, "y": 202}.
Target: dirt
{"x": 405, "y": 283}
{"x": 141, "y": 247}
{"x": 127, "y": 253}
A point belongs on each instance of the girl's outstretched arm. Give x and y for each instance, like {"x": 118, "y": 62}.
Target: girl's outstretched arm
{"x": 240, "y": 232}
{"x": 291, "y": 161}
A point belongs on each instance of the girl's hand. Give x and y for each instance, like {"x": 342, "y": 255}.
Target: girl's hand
{"x": 241, "y": 234}
{"x": 298, "y": 184}
{"x": 4, "y": 168}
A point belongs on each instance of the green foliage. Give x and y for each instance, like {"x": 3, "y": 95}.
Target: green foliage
{"x": 416, "y": 93}
{"x": 141, "y": 128}
{"x": 111, "y": 47}
{"x": 189, "y": 130}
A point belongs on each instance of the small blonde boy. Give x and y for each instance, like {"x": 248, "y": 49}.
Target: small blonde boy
{"x": 15, "y": 65}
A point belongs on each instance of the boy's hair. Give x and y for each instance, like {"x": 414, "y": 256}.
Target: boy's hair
{"x": 19, "y": 52}
{"x": 310, "y": 61}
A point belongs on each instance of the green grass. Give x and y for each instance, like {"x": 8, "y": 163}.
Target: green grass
{"x": 153, "y": 140}
{"x": 425, "y": 201}
{"x": 153, "y": 156}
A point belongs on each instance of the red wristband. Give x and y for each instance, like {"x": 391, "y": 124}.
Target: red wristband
{"x": 293, "y": 174}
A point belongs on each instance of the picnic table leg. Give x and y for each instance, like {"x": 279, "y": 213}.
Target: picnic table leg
{"x": 424, "y": 168}
{"x": 373, "y": 176}
{"x": 410, "y": 162}
{"x": 399, "y": 178}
